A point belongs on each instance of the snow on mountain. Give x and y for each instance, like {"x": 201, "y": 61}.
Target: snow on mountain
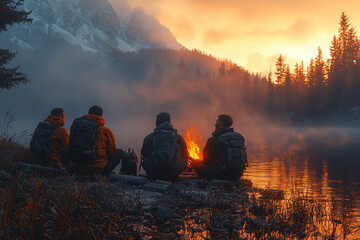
{"x": 91, "y": 24}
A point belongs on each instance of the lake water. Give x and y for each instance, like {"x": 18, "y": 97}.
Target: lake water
{"x": 324, "y": 162}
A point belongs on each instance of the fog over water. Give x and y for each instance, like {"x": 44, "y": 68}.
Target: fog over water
{"x": 324, "y": 162}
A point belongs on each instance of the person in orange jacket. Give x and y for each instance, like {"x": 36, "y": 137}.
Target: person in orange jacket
{"x": 92, "y": 147}
{"x": 50, "y": 139}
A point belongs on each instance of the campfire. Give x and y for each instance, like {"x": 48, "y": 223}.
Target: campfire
{"x": 193, "y": 138}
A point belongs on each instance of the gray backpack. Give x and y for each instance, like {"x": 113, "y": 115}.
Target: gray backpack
{"x": 235, "y": 151}
{"x": 164, "y": 162}
{"x": 40, "y": 141}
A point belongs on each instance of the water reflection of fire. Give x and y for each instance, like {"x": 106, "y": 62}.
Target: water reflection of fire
{"x": 192, "y": 139}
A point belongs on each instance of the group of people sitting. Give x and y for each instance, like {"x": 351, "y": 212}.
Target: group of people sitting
{"x": 91, "y": 148}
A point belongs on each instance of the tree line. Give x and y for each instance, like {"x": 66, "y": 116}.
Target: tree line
{"x": 324, "y": 87}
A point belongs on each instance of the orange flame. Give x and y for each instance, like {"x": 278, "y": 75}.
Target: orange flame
{"x": 192, "y": 136}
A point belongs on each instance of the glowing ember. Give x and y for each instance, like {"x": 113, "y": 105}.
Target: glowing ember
{"x": 192, "y": 137}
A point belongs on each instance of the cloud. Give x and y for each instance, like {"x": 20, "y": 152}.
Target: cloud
{"x": 184, "y": 27}
{"x": 215, "y": 37}
{"x": 299, "y": 31}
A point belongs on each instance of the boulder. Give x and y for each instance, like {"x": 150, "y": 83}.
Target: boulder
{"x": 162, "y": 213}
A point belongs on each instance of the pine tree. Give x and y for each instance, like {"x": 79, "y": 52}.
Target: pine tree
{"x": 270, "y": 95}
{"x": 311, "y": 87}
{"x": 288, "y": 89}
{"x": 9, "y": 15}
{"x": 299, "y": 75}
{"x": 318, "y": 93}
{"x": 344, "y": 54}
{"x": 280, "y": 70}
{"x": 311, "y": 74}
{"x": 335, "y": 61}
{"x": 301, "y": 88}
{"x": 222, "y": 69}
{"x": 198, "y": 72}
{"x": 181, "y": 65}
{"x": 280, "y": 76}
{"x": 320, "y": 70}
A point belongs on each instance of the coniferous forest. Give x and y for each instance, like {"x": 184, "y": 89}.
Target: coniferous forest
{"x": 324, "y": 88}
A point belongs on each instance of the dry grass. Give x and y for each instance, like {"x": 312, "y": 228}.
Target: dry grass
{"x": 11, "y": 152}
{"x": 41, "y": 209}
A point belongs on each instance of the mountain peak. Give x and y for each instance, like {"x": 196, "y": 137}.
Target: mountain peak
{"x": 93, "y": 25}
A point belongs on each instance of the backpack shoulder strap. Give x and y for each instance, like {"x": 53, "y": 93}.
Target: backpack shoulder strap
{"x": 233, "y": 139}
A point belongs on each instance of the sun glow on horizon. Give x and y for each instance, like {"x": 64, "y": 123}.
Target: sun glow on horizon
{"x": 253, "y": 34}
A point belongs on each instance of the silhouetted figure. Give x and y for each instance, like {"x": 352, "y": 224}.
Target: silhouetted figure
{"x": 92, "y": 147}
{"x": 164, "y": 151}
{"x": 224, "y": 153}
{"x": 49, "y": 139}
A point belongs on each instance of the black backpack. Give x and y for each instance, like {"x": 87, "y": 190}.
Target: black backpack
{"x": 235, "y": 151}
{"x": 40, "y": 141}
{"x": 129, "y": 163}
{"x": 83, "y": 134}
{"x": 165, "y": 158}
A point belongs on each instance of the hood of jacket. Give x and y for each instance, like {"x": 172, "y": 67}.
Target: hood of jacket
{"x": 55, "y": 120}
{"x": 164, "y": 126}
{"x": 98, "y": 119}
{"x": 221, "y": 131}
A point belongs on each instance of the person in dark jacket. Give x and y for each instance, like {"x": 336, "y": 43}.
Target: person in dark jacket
{"x": 107, "y": 155}
{"x": 164, "y": 152}
{"x": 49, "y": 139}
{"x": 217, "y": 163}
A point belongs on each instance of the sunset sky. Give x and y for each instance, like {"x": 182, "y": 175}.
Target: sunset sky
{"x": 254, "y": 33}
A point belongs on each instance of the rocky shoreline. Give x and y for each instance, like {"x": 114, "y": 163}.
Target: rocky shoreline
{"x": 43, "y": 203}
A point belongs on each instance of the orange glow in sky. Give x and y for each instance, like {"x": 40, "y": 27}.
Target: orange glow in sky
{"x": 254, "y": 33}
